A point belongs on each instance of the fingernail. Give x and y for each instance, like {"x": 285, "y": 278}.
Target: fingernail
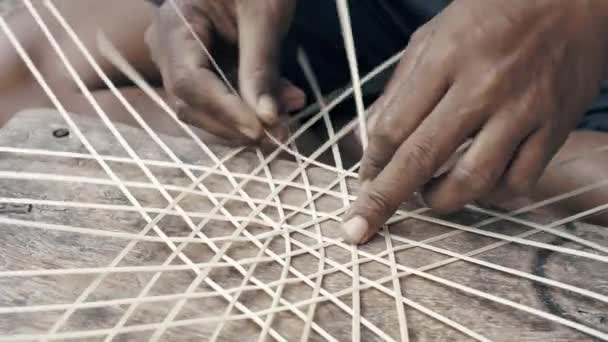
{"x": 355, "y": 229}
{"x": 267, "y": 109}
{"x": 254, "y": 135}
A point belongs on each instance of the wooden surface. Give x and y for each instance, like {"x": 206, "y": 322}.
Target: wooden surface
{"x": 7, "y": 5}
{"x": 26, "y": 248}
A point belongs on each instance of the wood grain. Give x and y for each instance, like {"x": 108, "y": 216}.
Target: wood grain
{"x": 26, "y": 248}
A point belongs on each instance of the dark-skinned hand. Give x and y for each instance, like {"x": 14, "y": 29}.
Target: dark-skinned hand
{"x": 515, "y": 76}
{"x": 244, "y": 37}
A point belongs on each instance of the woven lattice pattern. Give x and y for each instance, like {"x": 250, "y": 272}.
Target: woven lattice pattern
{"x": 118, "y": 233}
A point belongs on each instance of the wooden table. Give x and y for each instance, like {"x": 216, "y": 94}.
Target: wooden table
{"x": 27, "y": 246}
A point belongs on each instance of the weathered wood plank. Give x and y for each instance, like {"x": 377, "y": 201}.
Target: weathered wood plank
{"x": 27, "y": 248}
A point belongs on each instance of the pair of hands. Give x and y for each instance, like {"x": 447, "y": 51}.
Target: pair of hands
{"x": 514, "y": 76}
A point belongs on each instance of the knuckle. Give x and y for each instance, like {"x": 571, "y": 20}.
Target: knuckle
{"x": 257, "y": 73}
{"x": 156, "y": 53}
{"x": 450, "y": 51}
{"x": 181, "y": 85}
{"x": 473, "y": 109}
{"x": 262, "y": 78}
{"x": 422, "y": 158}
{"x": 378, "y": 204}
{"x": 383, "y": 133}
{"x": 374, "y": 159}
{"x": 182, "y": 111}
{"x": 419, "y": 36}
{"x": 150, "y": 37}
{"x": 478, "y": 180}
{"x": 487, "y": 85}
{"x": 374, "y": 113}
{"x": 371, "y": 165}
{"x": 423, "y": 32}
{"x": 492, "y": 76}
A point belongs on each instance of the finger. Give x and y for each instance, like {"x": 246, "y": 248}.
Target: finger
{"x": 190, "y": 79}
{"x": 453, "y": 160}
{"x": 291, "y": 98}
{"x": 481, "y": 167}
{"x": 210, "y": 124}
{"x": 417, "y": 85}
{"x": 411, "y": 58}
{"x": 215, "y": 127}
{"x": 262, "y": 25}
{"x": 412, "y": 165}
{"x": 528, "y": 166}
{"x": 279, "y": 132}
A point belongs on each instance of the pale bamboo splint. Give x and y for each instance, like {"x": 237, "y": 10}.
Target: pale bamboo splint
{"x": 118, "y": 233}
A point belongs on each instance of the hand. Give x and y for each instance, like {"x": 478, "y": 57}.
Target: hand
{"x": 244, "y": 37}
{"x": 515, "y": 76}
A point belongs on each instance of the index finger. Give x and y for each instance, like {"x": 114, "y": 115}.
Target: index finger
{"x": 413, "y": 165}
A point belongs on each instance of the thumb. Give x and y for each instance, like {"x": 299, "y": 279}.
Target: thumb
{"x": 367, "y": 214}
{"x": 262, "y": 26}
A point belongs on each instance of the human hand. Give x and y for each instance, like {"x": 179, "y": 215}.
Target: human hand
{"x": 244, "y": 37}
{"x": 515, "y": 76}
